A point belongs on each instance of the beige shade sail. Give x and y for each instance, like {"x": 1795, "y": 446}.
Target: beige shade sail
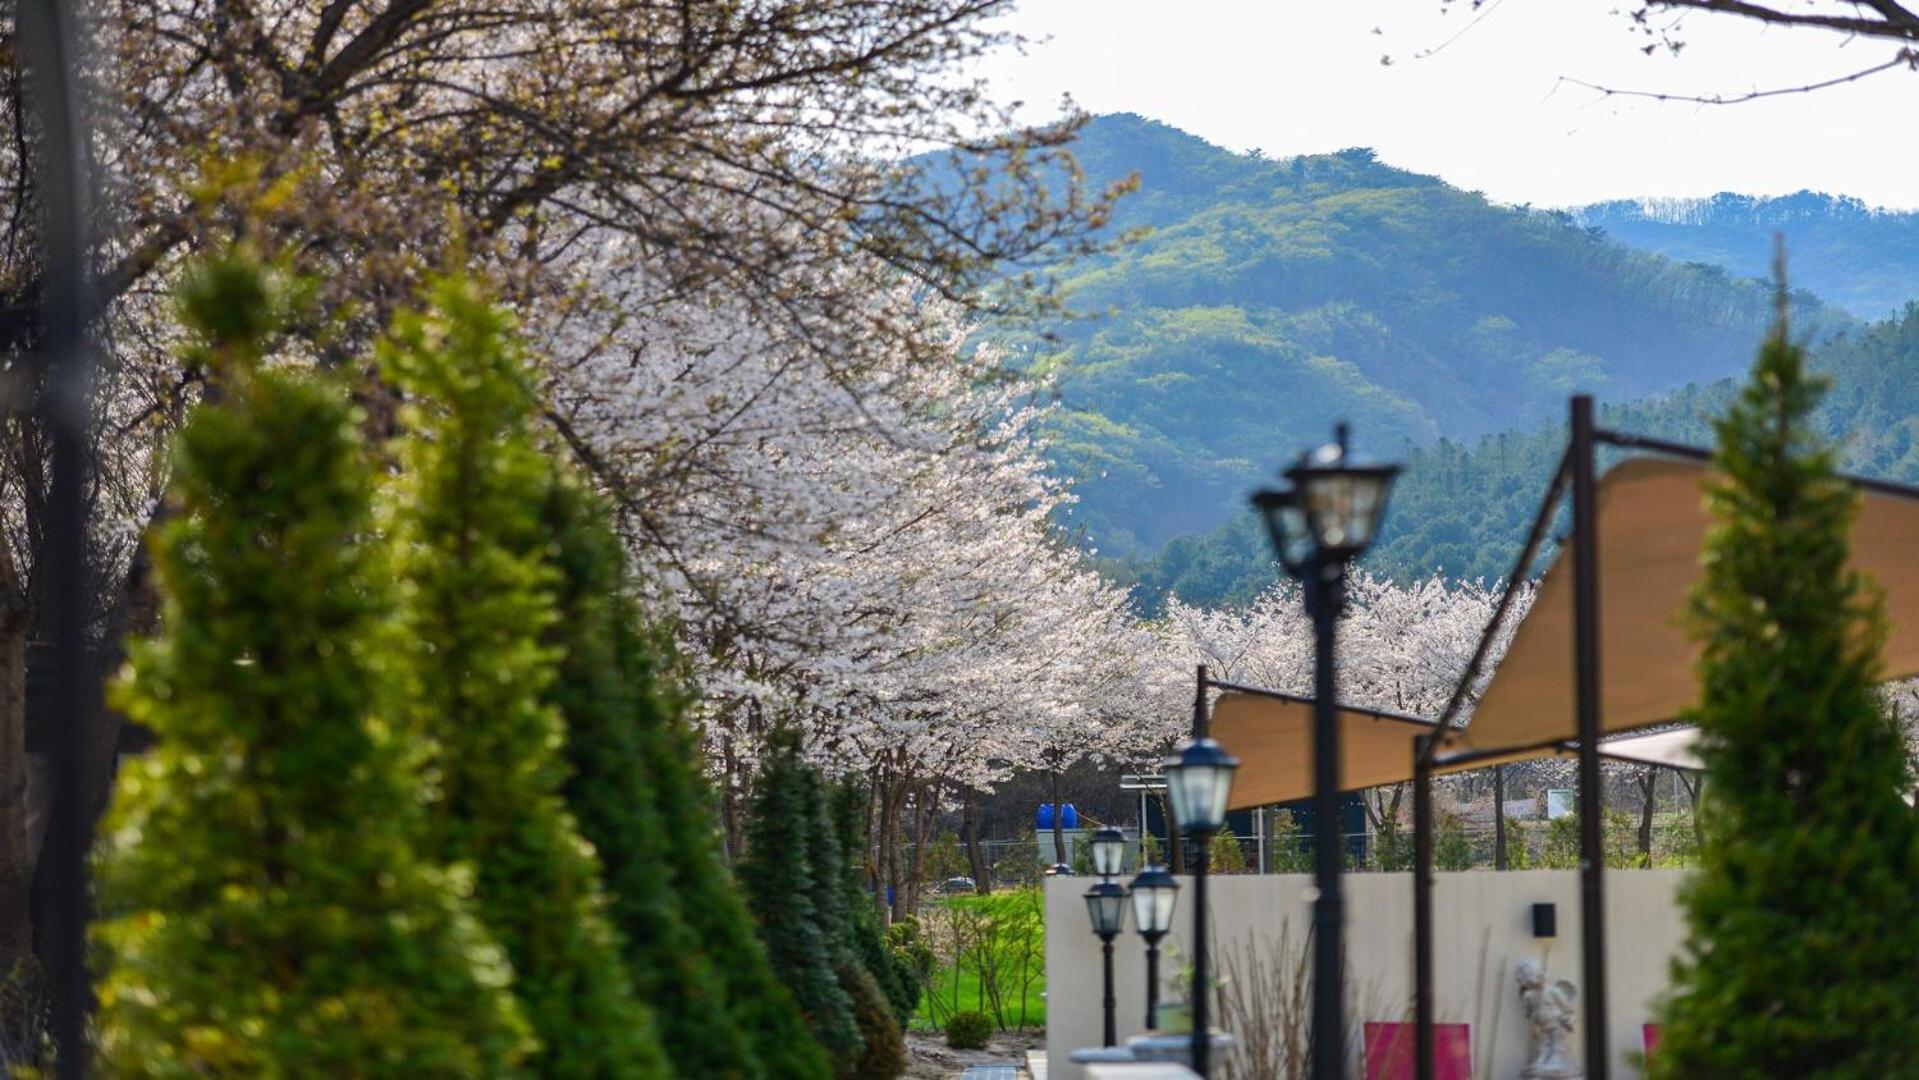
{"x": 1652, "y": 527}
{"x": 1273, "y": 739}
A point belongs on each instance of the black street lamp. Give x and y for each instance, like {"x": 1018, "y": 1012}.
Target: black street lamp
{"x": 1109, "y": 852}
{"x": 1106, "y": 906}
{"x": 1323, "y": 521}
{"x": 1198, "y": 781}
{"x": 1154, "y": 893}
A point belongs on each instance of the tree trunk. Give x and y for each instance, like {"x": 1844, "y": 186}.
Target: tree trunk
{"x": 923, "y": 797}
{"x": 16, "y": 866}
{"x": 975, "y": 855}
{"x": 891, "y": 810}
{"x": 1499, "y": 817}
{"x": 1695, "y": 784}
{"x": 1648, "y": 790}
{"x": 1059, "y": 824}
{"x": 1175, "y": 850}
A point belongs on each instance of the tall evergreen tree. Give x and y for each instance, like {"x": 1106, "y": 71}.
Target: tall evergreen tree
{"x": 763, "y": 1011}
{"x": 1803, "y": 957}
{"x": 268, "y": 908}
{"x": 836, "y": 903}
{"x": 796, "y": 905}
{"x": 615, "y": 800}
{"x": 472, "y": 551}
{"x": 893, "y": 974}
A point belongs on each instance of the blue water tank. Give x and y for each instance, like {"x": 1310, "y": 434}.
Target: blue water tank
{"x": 1068, "y": 817}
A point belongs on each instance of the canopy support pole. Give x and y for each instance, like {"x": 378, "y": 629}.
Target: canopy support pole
{"x": 1422, "y": 910}
{"x": 1592, "y": 854}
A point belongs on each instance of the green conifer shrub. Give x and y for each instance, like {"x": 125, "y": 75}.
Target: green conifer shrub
{"x": 1452, "y": 848}
{"x": 837, "y": 900}
{"x": 466, "y": 515}
{"x": 785, "y": 890}
{"x": 764, "y": 1013}
{"x": 892, "y": 972}
{"x": 969, "y": 1030}
{"x": 614, "y": 799}
{"x": 1226, "y": 855}
{"x": 269, "y": 904}
{"x": 1803, "y": 953}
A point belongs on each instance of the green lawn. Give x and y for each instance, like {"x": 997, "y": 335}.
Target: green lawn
{"x": 992, "y": 959}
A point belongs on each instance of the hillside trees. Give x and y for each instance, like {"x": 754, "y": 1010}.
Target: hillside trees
{"x": 253, "y": 925}
{"x": 1802, "y": 940}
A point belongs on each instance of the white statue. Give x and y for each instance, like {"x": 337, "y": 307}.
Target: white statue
{"x": 1549, "y": 1009}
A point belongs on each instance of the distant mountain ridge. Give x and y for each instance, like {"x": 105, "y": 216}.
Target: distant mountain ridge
{"x": 1272, "y": 297}
{"x": 1463, "y": 508}
{"x": 1863, "y": 258}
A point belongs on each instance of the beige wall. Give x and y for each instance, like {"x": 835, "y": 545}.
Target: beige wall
{"x": 1483, "y": 927}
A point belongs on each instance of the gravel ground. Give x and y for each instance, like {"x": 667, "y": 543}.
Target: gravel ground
{"x": 929, "y": 1058}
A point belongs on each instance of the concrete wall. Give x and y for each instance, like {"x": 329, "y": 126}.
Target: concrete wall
{"x": 1483, "y": 928}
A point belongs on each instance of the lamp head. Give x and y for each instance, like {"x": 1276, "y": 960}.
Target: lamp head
{"x": 1154, "y": 894}
{"x": 1106, "y": 906}
{"x": 1109, "y": 851}
{"x": 1199, "y": 782}
{"x": 1342, "y": 499}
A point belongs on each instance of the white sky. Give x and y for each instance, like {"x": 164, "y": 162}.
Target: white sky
{"x": 1488, "y": 111}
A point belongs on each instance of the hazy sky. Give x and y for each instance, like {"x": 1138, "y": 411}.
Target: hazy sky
{"x": 1488, "y": 111}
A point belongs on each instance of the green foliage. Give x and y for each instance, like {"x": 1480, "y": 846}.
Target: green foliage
{"x": 762, "y": 1011}
{"x": 969, "y": 1031}
{"x": 1290, "y": 855}
{"x": 991, "y": 952}
{"x": 1452, "y": 848}
{"x": 1463, "y": 508}
{"x": 785, "y": 888}
{"x": 1274, "y": 294}
{"x": 1226, "y": 856}
{"x": 944, "y": 859}
{"x": 882, "y": 1053}
{"x": 466, "y": 516}
{"x": 1519, "y": 854}
{"x": 1562, "y": 843}
{"x": 1804, "y": 924}
{"x": 271, "y": 904}
{"x": 867, "y": 937}
{"x": 612, "y": 795}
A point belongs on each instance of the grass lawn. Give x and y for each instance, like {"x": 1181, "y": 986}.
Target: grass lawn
{"x": 992, "y": 959}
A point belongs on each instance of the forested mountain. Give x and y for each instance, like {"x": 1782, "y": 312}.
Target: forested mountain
{"x": 1850, "y": 254}
{"x": 1271, "y": 296}
{"x": 1463, "y": 508}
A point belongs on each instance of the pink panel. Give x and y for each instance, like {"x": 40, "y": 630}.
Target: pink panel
{"x": 1389, "y": 1051}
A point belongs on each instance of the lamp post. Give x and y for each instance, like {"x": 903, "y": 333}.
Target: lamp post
{"x": 1199, "y": 780}
{"x": 1106, "y": 906}
{"x": 1155, "y": 892}
{"x": 1324, "y": 520}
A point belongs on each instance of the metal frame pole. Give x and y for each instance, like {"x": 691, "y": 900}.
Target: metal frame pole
{"x": 48, "y": 34}
{"x": 1324, "y": 594}
{"x": 1202, "y": 1037}
{"x": 1422, "y": 911}
{"x": 1592, "y": 854}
